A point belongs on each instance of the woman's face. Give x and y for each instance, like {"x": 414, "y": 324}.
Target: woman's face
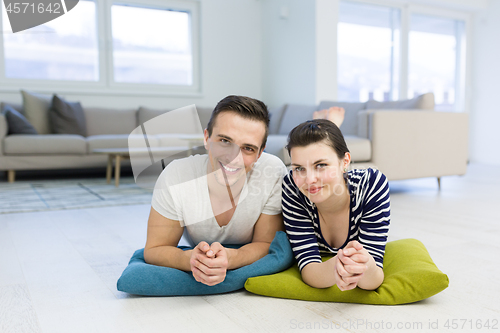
{"x": 318, "y": 172}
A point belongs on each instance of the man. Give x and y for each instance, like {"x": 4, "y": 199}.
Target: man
{"x": 230, "y": 196}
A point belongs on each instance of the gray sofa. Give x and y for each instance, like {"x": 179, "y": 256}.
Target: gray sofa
{"x": 404, "y": 139}
{"x": 106, "y": 129}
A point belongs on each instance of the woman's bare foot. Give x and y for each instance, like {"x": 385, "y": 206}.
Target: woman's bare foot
{"x": 335, "y": 114}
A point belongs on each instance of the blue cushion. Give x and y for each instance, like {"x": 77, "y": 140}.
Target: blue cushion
{"x": 140, "y": 278}
{"x": 16, "y": 122}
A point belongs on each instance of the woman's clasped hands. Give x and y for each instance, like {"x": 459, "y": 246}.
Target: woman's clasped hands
{"x": 351, "y": 263}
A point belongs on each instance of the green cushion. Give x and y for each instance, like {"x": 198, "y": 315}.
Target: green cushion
{"x": 410, "y": 276}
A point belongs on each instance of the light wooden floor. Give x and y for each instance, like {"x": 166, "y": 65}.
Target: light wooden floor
{"x": 58, "y": 271}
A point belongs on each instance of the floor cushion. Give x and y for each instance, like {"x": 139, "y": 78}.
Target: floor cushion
{"x": 140, "y": 278}
{"x": 410, "y": 276}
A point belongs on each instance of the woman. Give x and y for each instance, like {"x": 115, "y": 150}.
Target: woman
{"x": 329, "y": 210}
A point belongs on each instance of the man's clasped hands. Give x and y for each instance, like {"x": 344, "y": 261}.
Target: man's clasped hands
{"x": 209, "y": 263}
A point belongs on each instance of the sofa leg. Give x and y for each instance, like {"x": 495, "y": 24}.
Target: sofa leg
{"x": 439, "y": 183}
{"x": 11, "y": 176}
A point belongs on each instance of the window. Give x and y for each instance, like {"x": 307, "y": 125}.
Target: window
{"x": 61, "y": 49}
{"x": 389, "y": 53}
{"x": 435, "y": 57}
{"x": 368, "y": 52}
{"x": 155, "y": 49}
{"x": 142, "y": 47}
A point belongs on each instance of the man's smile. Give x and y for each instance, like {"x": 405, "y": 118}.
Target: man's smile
{"x": 229, "y": 170}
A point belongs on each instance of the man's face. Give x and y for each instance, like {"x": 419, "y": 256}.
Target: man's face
{"x": 234, "y": 146}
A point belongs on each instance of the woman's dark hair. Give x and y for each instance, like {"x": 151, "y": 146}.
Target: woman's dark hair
{"x": 318, "y": 130}
{"x": 245, "y": 107}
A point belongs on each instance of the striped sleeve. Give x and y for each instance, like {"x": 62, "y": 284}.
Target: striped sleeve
{"x": 298, "y": 225}
{"x": 374, "y": 224}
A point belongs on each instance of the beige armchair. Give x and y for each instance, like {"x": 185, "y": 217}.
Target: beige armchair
{"x": 414, "y": 143}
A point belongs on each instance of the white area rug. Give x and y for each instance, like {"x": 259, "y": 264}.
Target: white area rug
{"x": 33, "y": 196}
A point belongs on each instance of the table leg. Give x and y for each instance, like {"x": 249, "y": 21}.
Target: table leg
{"x": 117, "y": 170}
{"x": 11, "y": 175}
{"x": 109, "y": 168}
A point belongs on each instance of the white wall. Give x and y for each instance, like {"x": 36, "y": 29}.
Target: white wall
{"x": 289, "y": 57}
{"x": 485, "y": 112}
{"x": 231, "y": 59}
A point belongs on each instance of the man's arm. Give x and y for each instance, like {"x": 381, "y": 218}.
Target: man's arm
{"x": 161, "y": 244}
{"x": 264, "y": 231}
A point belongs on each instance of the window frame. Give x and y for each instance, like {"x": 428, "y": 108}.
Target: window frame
{"x": 106, "y": 84}
{"x": 463, "y": 68}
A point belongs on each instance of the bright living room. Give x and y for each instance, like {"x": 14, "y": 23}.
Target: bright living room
{"x": 60, "y": 266}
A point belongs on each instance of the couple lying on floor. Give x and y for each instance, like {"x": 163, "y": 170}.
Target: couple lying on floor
{"x": 236, "y": 194}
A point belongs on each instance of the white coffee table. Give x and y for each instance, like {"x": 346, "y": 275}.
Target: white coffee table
{"x": 193, "y": 140}
{"x": 117, "y": 154}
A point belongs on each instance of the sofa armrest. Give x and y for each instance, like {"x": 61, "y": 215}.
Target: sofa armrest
{"x": 4, "y": 129}
{"x": 363, "y": 123}
{"x": 417, "y": 144}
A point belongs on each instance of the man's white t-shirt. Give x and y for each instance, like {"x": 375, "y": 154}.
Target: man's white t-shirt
{"x": 181, "y": 194}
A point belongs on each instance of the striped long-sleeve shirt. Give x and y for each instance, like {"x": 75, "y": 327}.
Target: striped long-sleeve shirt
{"x": 369, "y": 217}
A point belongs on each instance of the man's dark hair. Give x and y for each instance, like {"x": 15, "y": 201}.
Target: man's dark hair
{"x": 246, "y": 107}
{"x": 318, "y": 130}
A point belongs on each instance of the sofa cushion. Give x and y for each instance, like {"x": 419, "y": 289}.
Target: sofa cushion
{"x": 17, "y": 123}
{"x": 18, "y": 107}
{"x": 204, "y": 114}
{"x": 45, "y": 144}
{"x": 422, "y": 102}
{"x": 276, "y": 115}
{"x": 4, "y": 128}
{"x": 350, "y": 124}
{"x": 106, "y": 141}
{"x": 145, "y": 114}
{"x": 275, "y": 144}
{"x": 36, "y": 110}
{"x": 110, "y": 121}
{"x": 293, "y": 115}
{"x": 67, "y": 117}
{"x": 184, "y": 120}
{"x": 360, "y": 148}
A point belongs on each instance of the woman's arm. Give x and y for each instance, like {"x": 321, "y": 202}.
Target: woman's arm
{"x": 319, "y": 275}
{"x": 375, "y": 222}
{"x": 373, "y": 276}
